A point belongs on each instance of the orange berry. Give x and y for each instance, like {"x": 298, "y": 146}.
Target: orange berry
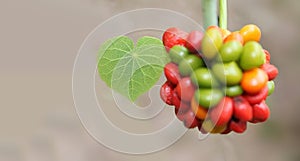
{"x": 234, "y": 36}
{"x": 251, "y": 33}
{"x": 254, "y": 80}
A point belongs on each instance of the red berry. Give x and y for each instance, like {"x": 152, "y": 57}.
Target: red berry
{"x": 185, "y": 89}
{"x": 194, "y": 40}
{"x": 271, "y": 71}
{"x": 242, "y": 109}
{"x": 258, "y": 97}
{"x": 174, "y": 36}
{"x": 166, "y": 93}
{"x": 172, "y": 73}
{"x": 222, "y": 113}
{"x": 261, "y": 112}
{"x": 238, "y": 126}
{"x": 176, "y": 100}
{"x": 179, "y": 114}
{"x": 183, "y": 106}
{"x": 190, "y": 120}
{"x": 268, "y": 56}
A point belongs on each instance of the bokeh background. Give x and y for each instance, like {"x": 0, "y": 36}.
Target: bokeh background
{"x": 39, "y": 40}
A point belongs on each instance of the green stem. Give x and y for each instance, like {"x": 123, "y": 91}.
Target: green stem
{"x": 209, "y": 10}
{"x": 223, "y": 14}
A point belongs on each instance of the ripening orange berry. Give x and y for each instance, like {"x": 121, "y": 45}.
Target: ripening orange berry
{"x": 251, "y": 33}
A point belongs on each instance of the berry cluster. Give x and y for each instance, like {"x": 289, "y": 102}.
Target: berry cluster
{"x": 218, "y": 80}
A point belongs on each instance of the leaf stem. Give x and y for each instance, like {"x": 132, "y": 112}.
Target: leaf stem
{"x": 223, "y": 14}
{"x": 209, "y": 10}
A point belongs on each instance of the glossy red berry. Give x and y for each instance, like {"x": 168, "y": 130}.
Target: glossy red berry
{"x": 238, "y": 126}
{"x": 261, "y": 112}
{"x": 242, "y": 109}
{"x": 185, "y": 89}
{"x": 258, "y": 97}
{"x": 193, "y": 42}
{"x": 166, "y": 93}
{"x": 175, "y": 99}
{"x": 271, "y": 71}
{"x": 174, "y": 36}
{"x": 222, "y": 113}
{"x": 172, "y": 73}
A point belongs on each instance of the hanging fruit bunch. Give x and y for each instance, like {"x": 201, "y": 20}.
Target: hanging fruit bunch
{"x": 218, "y": 80}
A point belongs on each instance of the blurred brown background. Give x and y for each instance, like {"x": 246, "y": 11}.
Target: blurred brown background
{"x": 39, "y": 40}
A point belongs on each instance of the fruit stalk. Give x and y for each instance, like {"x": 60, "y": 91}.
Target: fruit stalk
{"x": 209, "y": 10}
{"x": 223, "y": 14}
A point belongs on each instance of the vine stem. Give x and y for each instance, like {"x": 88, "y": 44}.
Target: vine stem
{"x": 223, "y": 14}
{"x": 209, "y": 10}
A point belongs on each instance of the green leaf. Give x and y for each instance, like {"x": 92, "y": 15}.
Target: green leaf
{"x": 130, "y": 70}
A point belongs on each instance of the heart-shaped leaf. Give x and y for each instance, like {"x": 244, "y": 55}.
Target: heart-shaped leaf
{"x": 131, "y": 70}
